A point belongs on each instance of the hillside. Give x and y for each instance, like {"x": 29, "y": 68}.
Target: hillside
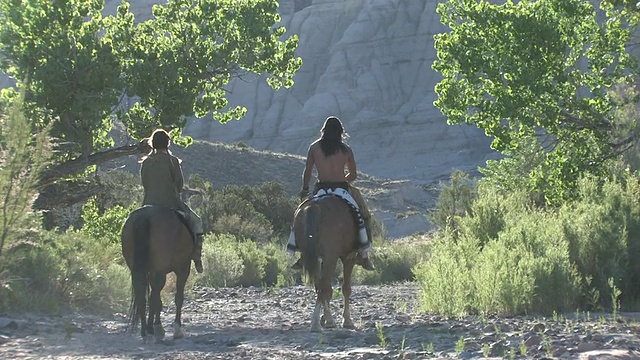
{"x": 370, "y": 65}
{"x": 400, "y": 205}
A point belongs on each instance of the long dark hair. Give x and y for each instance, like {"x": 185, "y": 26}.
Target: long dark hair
{"x": 332, "y": 135}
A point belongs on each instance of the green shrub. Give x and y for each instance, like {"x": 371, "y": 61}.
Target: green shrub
{"x": 278, "y": 270}
{"x": 510, "y": 256}
{"x": 394, "y": 261}
{"x": 255, "y": 262}
{"x": 232, "y": 262}
{"x": 526, "y": 269}
{"x": 105, "y": 226}
{"x": 222, "y": 263}
{"x": 454, "y": 201}
{"x": 602, "y": 229}
{"x": 378, "y": 231}
{"x": 254, "y": 227}
{"x": 271, "y": 200}
{"x": 56, "y": 271}
{"x": 23, "y": 158}
{"x": 121, "y": 188}
{"x": 445, "y": 279}
{"x": 259, "y": 213}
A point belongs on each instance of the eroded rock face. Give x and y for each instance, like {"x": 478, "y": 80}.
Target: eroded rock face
{"x": 369, "y": 63}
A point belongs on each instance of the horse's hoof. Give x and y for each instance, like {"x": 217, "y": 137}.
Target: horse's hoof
{"x": 178, "y": 333}
{"x": 158, "y": 333}
{"x": 327, "y": 324}
{"x": 348, "y": 325}
{"x": 316, "y": 329}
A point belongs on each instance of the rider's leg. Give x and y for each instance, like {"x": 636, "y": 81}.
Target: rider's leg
{"x": 196, "y": 226}
{"x": 292, "y": 247}
{"x": 364, "y": 225}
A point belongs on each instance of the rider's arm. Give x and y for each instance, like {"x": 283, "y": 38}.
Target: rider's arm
{"x": 351, "y": 174}
{"x": 308, "y": 169}
{"x": 178, "y": 179}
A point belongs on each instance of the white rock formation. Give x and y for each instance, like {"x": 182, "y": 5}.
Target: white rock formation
{"x": 369, "y": 63}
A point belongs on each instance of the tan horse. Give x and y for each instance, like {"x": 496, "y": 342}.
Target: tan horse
{"x": 156, "y": 242}
{"x": 326, "y": 229}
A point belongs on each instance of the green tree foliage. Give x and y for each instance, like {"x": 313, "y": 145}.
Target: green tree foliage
{"x": 179, "y": 62}
{"x": 73, "y": 76}
{"x": 22, "y": 158}
{"x": 104, "y": 227}
{"x": 80, "y": 65}
{"x": 539, "y": 70}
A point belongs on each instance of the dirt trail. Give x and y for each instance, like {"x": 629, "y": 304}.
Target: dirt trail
{"x": 257, "y": 323}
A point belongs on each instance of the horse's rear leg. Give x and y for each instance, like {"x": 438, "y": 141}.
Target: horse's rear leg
{"x": 315, "y": 317}
{"x": 347, "y": 265}
{"x": 181, "y": 281}
{"x": 142, "y": 312}
{"x": 140, "y": 303}
{"x": 157, "y": 283}
{"x": 328, "y": 270}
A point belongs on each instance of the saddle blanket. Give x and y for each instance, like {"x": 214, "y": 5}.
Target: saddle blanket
{"x": 340, "y": 192}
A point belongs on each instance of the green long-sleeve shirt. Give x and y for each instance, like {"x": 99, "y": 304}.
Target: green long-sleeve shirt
{"x": 162, "y": 180}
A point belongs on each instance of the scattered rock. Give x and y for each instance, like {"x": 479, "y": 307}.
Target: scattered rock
{"x": 255, "y": 323}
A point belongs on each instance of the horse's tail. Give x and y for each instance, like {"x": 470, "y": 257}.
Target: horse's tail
{"x": 310, "y": 242}
{"x": 140, "y": 271}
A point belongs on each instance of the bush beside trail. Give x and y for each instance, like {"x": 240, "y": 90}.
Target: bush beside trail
{"x": 81, "y": 267}
{"x": 505, "y": 255}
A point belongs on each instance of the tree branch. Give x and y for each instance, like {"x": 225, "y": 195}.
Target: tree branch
{"x": 59, "y": 171}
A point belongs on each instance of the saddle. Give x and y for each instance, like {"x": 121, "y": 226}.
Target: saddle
{"x": 354, "y": 209}
{"x": 182, "y": 216}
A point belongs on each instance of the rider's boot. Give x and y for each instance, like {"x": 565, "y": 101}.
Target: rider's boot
{"x": 362, "y": 258}
{"x": 197, "y": 253}
{"x": 298, "y": 264}
{"x": 291, "y": 249}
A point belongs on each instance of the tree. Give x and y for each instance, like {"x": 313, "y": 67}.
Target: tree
{"x": 79, "y": 65}
{"x": 22, "y": 158}
{"x": 540, "y": 70}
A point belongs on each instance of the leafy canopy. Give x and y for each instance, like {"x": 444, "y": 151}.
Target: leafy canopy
{"x": 80, "y": 65}
{"x": 539, "y": 70}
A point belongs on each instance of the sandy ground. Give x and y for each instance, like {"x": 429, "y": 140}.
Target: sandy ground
{"x": 261, "y": 323}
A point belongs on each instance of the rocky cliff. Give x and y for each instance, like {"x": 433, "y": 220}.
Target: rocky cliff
{"x": 369, "y": 63}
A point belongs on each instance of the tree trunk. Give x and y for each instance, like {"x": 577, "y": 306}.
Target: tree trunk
{"x": 54, "y": 194}
{"x": 50, "y": 176}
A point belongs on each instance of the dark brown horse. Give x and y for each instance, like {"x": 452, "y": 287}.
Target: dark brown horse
{"x": 156, "y": 242}
{"x": 325, "y": 228}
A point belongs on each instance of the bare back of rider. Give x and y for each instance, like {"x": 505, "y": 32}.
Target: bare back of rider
{"x": 330, "y": 168}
